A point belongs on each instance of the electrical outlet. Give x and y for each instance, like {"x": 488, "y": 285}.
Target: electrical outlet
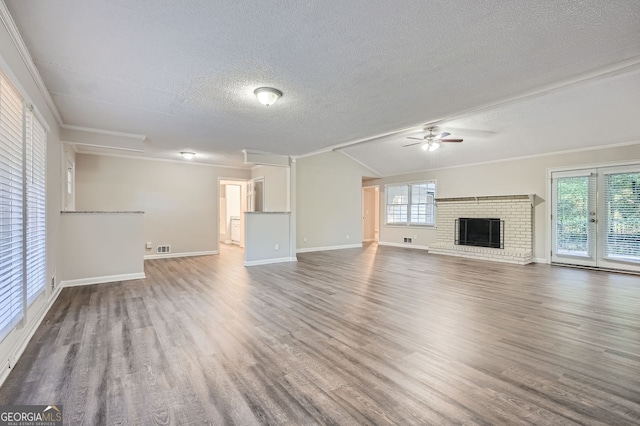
{"x": 276, "y": 247}
{"x": 415, "y": 237}
{"x": 53, "y": 282}
{"x": 347, "y": 236}
{"x": 304, "y": 240}
{"x": 149, "y": 246}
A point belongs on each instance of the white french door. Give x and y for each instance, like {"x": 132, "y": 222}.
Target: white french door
{"x": 596, "y": 217}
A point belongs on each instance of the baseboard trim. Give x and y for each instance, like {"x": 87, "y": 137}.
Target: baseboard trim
{"x": 346, "y": 246}
{"x": 187, "y": 254}
{"x": 26, "y": 338}
{"x": 403, "y": 245}
{"x": 369, "y": 240}
{"x": 102, "y": 280}
{"x": 539, "y": 260}
{"x": 270, "y": 261}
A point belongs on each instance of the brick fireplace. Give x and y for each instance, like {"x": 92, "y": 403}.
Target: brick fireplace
{"x": 515, "y": 211}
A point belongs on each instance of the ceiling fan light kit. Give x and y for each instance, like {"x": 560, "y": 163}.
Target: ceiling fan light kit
{"x": 432, "y": 142}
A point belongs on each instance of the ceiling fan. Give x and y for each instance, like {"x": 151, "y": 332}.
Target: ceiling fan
{"x": 431, "y": 142}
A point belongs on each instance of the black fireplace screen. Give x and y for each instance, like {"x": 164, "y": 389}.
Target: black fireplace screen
{"x": 480, "y": 232}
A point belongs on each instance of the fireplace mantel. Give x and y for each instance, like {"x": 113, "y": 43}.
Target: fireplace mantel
{"x": 530, "y": 197}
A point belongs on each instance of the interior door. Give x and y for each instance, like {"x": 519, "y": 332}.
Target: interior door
{"x": 574, "y": 217}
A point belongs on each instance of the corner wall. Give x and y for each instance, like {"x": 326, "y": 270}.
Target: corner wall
{"x": 180, "y": 201}
{"x": 276, "y": 187}
{"x": 329, "y": 202}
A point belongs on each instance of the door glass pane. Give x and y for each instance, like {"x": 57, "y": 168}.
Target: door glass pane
{"x": 572, "y": 232}
{"x": 622, "y": 195}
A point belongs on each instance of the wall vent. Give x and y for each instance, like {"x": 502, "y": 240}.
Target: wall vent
{"x": 408, "y": 240}
{"x": 163, "y": 249}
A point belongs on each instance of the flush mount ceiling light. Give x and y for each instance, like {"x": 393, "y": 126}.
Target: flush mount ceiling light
{"x": 187, "y": 155}
{"x": 267, "y": 95}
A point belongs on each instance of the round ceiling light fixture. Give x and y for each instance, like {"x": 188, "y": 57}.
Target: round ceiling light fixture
{"x": 267, "y": 95}
{"x": 188, "y": 155}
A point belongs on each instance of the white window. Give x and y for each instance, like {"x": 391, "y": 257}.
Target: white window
{"x": 22, "y": 206}
{"x": 622, "y": 213}
{"x": 11, "y": 207}
{"x": 35, "y": 196}
{"x": 411, "y": 203}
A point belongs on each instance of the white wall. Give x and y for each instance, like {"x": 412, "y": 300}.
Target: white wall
{"x": 102, "y": 247}
{"x": 523, "y": 176}
{"x": 180, "y": 201}
{"x": 276, "y": 187}
{"x": 13, "y": 65}
{"x": 329, "y": 201}
{"x": 267, "y": 238}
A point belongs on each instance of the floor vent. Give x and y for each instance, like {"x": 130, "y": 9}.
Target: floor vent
{"x": 164, "y": 249}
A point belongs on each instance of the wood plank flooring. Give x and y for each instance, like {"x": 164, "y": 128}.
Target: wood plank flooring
{"x": 378, "y": 335}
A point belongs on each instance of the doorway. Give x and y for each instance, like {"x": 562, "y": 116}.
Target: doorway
{"x": 595, "y": 217}
{"x": 370, "y": 214}
{"x": 232, "y": 205}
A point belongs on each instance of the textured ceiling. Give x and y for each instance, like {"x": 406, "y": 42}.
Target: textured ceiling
{"x": 602, "y": 111}
{"x": 183, "y": 72}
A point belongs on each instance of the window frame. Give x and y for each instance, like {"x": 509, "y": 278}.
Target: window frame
{"x": 430, "y": 206}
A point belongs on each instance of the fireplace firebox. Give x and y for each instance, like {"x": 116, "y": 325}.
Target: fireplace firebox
{"x": 480, "y": 232}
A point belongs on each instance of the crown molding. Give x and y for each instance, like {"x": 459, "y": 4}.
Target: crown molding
{"x": 122, "y": 154}
{"x": 104, "y": 132}
{"x": 10, "y": 25}
{"x": 523, "y": 157}
{"x": 377, "y": 174}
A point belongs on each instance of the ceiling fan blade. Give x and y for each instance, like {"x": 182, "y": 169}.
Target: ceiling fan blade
{"x": 451, "y": 140}
{"x": 412, "y": 144}
{"x": 418, "y": 139}
{"x": 442, "y": 135}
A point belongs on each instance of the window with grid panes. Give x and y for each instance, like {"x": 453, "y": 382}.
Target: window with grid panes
{"x": 411, "y": 203}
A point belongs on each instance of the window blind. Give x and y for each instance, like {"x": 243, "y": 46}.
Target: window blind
{"x": 422, "y": 203}
{"x": 35, "y": 196}
{"x": 622, "y": 198}
{"x": 397, "y": 203}
{"x": 11, "y": 206}
{"x": 411, "y": 203}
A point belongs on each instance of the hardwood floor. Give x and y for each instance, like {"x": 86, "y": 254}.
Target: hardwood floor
{"x": 378, "y": 335}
